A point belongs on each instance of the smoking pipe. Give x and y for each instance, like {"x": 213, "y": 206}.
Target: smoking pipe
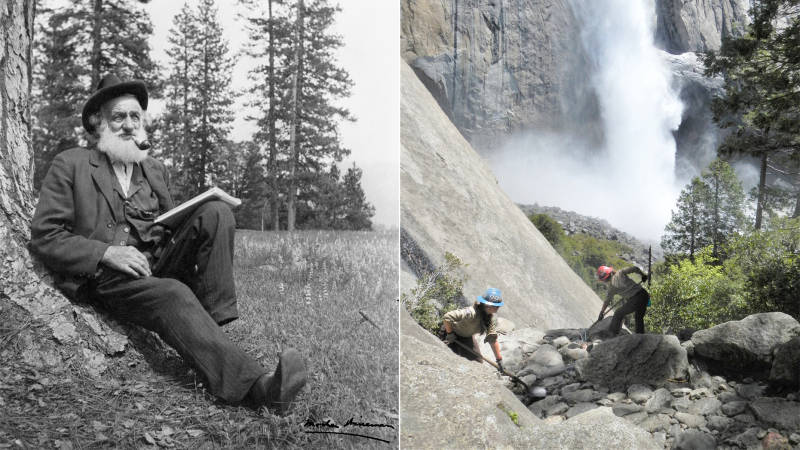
{"x": 143, "y": 145}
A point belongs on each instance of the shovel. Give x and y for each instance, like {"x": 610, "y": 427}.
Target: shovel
{"x": 534, "y": 392}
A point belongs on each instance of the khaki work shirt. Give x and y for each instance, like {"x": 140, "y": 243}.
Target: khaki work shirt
{"x": 467, "y": 322}
{"x": 623, "y": 286}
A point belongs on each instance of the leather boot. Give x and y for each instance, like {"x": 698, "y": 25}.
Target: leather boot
{"x": 277, "y": 391}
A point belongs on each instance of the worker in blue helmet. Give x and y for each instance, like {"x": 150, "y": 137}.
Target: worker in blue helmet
{"x": 464, "y": 324}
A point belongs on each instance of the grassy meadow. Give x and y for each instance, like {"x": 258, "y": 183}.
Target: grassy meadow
{"x": 331, "y": 295}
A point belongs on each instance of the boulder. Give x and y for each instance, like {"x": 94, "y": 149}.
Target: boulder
{"x": 595, "y": 429}
{"x": 661, "y": 399}
{"x": 734, "y": 408}
{"x": 749, "y": 391}
{"x": 545, "y": 357}
{"x": 634, "y": 359}
{"x": 718, "y": 423}
{"x": 580, "y": 408}
{"x": 433, "y": 379}
{"x": 573, "y": 352}
{"x": 581, "y": 396}
{"x": 778, "y": 413}
{"x": 786, "y": 366}
{"x": 625, "y": 409}
{"x": 692, "y": 439}
{"x": 747, "y": 344}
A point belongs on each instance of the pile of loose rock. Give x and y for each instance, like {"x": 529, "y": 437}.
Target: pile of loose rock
{"x": 664, "y": 386}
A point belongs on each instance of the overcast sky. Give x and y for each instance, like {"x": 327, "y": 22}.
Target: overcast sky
{"x": 370, "y": 31}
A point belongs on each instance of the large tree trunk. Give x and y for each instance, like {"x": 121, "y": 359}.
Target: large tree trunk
{"x": 55, "y": 329}
{"x": 293, "y": 147}
{"x": 273, "y": 145}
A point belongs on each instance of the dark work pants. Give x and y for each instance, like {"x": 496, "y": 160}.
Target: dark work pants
{"x": 190, "y": 294}
{"x": 470, "y": 342}
{"x": 636, "y": 304}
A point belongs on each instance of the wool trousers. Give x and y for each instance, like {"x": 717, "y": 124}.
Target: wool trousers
{"x": 189, "y": 296}
{"x": 636, "y": 304}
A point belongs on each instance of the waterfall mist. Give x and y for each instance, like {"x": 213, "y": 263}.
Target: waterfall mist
{"x": 629, "y": 178}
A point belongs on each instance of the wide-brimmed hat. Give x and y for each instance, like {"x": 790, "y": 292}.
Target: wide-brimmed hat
{"x": 491, "y": 297}
{"x": 108, "y": 88}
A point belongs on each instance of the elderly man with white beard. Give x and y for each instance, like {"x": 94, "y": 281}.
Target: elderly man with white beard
{"x": 94, "y": 228}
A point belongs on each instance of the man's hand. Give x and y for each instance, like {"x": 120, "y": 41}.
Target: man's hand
{"x": 450, "y": 338}
{"x": 126, "y": 259}
{"x": 644, "y": 278}
{"x": 500, "y": 366}
{"x": 600, "y": 317}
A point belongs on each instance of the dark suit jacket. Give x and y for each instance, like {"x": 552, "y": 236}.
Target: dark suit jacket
{"x": 75, "y": 222}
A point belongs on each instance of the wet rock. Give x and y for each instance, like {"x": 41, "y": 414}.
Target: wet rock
{"x": 694, "y": 440}
{"x": 660, "y": 399}
{"x": 777, "y": 412}
{"x": 746, "y": 344}
{"x": 639, "y": 393}
{"x": 690, "y": 420}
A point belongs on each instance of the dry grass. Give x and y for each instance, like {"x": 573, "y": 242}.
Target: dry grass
{"x": 308, "y": 290}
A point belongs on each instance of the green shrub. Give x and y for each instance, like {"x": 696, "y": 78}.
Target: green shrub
{"x": 550, "y": 229}
{"x": 695, "y": 295}
{"x": 770, "y": 265}
{"x": 436, "y": 294}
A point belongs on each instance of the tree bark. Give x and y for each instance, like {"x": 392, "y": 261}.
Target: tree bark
{"x": 62, "y": 331}
{"x": 293, "y": 150}
{"x": 273, "y": 146}
{"x": 97, "y": 41}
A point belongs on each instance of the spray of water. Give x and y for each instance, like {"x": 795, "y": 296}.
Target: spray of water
{"x": 629, "y": 178}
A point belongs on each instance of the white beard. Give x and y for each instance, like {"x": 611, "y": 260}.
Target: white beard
{"x": 117, "y": 148}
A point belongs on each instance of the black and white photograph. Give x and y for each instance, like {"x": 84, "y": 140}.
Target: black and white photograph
{"x": 200, "y": 228}
{"x": 599, "y": 224}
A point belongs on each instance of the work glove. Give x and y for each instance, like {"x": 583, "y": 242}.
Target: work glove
{"x": 450, "y": 338}
{"x": 600, "y": 317}
{"x": 644, "y": 278}
{"x": 500, "y": 366}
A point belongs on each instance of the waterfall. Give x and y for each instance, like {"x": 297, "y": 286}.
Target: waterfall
{"x": 629, "y": 178}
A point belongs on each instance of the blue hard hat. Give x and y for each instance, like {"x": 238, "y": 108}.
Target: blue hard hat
{"x": 491, "y": 297}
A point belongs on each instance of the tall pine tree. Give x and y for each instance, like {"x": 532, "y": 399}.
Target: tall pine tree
{"x": 198, "y": 115}
{"x": 686, "y": 232}
{"x": 725, "y": 211}
{"x": 295, "y": 93}
{"x": 76, "y": 45}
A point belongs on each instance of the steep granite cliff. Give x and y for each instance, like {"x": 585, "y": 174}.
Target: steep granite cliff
{"x": 698, "y": 25}
{"x": 500, "y": 66}
{"x": 450, "y": 201}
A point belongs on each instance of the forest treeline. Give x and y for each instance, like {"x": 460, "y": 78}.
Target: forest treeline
{"x": 286, "y": 174}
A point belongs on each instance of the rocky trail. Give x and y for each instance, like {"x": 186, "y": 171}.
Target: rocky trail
{"x": 733, "y": 386}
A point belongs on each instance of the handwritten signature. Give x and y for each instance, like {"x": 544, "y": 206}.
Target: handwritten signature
{"x": 329, "y": 424}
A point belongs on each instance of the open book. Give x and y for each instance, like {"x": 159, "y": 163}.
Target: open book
{"x": 175, "y": 217}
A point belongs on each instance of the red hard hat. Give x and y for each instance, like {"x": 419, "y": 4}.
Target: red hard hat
{"x": 603, "y": 272}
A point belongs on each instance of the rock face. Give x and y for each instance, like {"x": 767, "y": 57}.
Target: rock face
{"x": 450, "y": 202}
{"x": 499, "y": 67}
{"x": 433, "y": 379}
{"x": 698, "y": 25}
{"x": 647, "y": 359}
{"x": 747, "y": 344}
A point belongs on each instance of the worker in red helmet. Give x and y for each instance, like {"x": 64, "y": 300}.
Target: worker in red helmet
{"x": 634, "y": 296}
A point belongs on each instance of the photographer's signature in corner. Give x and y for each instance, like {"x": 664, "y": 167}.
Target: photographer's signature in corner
{"x": 327, "y": 426}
